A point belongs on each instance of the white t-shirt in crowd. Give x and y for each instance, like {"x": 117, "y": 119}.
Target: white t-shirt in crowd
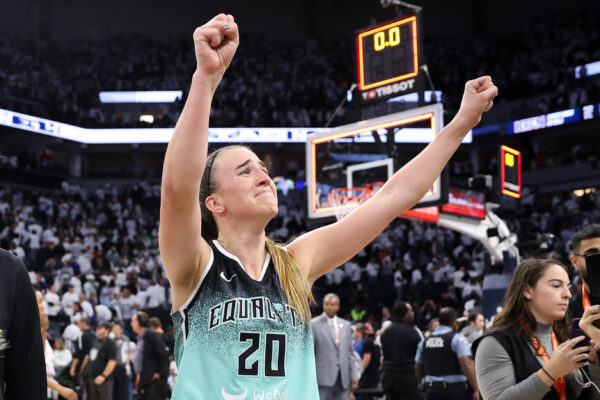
{"x": 53, "y": 301}
{"x": 334, "y": 277}
{"x": 84, "y": 264}
{"x": 372, "y": 269}
{"x": 128, "y": 306}
{"x": 62, "y": 358}
{"x": 416, "y": 276}
{"x": 398, "y": 279}
{"x": 68, "y": 300}
{"x": 103, "y": 313}
{"x": 88, "y": 287}
{"x": 353, "y": 271}
{"x": 155, "y": 296}
{"x": 35, "y": 233}
{"x": 87, "y": 308}
{"x": 76, "y": 282}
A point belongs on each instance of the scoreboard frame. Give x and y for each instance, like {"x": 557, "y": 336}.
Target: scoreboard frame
{"x": 364, "y": 52}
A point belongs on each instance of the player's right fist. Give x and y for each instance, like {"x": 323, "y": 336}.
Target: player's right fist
{"x": 478, "y": 98}
{"x": 215, "y": 44}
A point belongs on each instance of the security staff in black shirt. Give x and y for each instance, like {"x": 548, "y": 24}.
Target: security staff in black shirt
{"x": 444, "y": 361}
{"x": 99, "y": 364}
{"x": 22, "y": 364}
{"x": 84, "y": 344}
{"x": 399, "y": 344}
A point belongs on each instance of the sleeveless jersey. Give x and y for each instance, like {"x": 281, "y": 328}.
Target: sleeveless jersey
{"x": 236, "y": 338}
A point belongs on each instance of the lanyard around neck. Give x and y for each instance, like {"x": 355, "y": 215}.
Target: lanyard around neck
{"x": 560, "y": 383}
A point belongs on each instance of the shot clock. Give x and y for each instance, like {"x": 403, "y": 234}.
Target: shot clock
{"x": 387, "y": 54}
{"x": 510, "y": 171}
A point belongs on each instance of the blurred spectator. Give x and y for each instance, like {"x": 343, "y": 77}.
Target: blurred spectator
{"x": 54, "y": 388}
{"x": 83, "y": 347}
{"x": 150, "y": 359}
{"x": 371, "y": 359}
{"x": 443, "y": 361}
{"x": 333, "y": 352}
{"x": 99, "y": 364}
{"x": 122, "y": 374}
{"x": 474, "y": 328}
{"x": 399, "y": 346}
{"x": 62, "y": 356}
{"x": 156, "y": 326}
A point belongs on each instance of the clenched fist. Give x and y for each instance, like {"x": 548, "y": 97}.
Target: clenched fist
{"x": 478, "y": 98}
{"x": 215, "y": 44}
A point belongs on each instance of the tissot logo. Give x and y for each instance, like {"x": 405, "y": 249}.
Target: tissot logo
{"x": 388, "y": 90}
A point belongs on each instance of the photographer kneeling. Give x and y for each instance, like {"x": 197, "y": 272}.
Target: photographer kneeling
{"x": 527, "y": 353}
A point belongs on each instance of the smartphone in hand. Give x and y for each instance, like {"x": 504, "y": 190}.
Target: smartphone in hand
{"x": 576, "y": 331}
{"x": 592, "y": 263}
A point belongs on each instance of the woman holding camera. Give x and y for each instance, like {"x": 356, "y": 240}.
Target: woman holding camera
{"x": 527, "y": 353}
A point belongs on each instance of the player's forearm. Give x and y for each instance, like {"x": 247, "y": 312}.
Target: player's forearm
{"x": 411, "y": 182}
{"x": 186, "y": 153}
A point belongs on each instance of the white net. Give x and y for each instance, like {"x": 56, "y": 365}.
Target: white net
{"x": 345, "y": 200}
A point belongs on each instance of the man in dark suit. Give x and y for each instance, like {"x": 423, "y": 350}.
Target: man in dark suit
{"x": 333, "y": 352}
{"x": 151, "y": 356}
{"x": 22, "y": 365}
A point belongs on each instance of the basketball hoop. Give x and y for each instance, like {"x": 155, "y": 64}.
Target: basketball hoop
{"x": 375, "y": 186}
{"x": 347, "y": 199}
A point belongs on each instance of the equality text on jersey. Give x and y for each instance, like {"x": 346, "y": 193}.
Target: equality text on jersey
{"x": 254, "y": 308}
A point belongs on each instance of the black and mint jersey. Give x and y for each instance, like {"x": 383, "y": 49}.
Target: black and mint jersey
{"x": 236, "y": 338}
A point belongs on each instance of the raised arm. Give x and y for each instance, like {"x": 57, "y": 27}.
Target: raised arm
{"x": 184, "y": 253}
{"x": 320, "y": 251}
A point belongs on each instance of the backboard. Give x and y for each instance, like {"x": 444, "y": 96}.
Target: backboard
{"x": 360, "y": 154}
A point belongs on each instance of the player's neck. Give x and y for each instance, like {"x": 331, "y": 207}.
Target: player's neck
{"x": 248, "y": 246}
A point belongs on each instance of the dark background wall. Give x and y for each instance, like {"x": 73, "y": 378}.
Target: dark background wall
{"x": 287, "y": 20}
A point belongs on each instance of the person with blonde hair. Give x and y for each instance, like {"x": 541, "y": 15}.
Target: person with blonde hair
{"x": 241, "y": 301}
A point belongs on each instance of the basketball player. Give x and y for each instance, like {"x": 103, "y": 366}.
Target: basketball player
{"x": 241, "y": 302}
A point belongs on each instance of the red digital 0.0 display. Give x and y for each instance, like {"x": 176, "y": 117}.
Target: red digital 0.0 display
{"x": 465, "y": 202}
